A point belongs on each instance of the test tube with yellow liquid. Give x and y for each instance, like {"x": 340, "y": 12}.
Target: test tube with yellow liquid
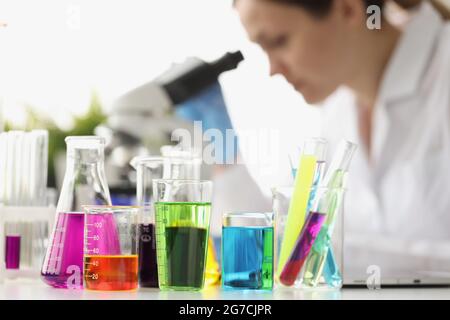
{"x": 312, "y": 161}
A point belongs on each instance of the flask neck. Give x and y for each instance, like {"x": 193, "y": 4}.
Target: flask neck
{"x": 78, "y": 156}
{"x": 85, "y": 179}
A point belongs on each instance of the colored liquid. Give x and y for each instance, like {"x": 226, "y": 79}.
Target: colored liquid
{"x": 181, "y": 241}
{"x": 322, "y": 264}
{"x": 247, "y": 257}
{"x": 321, "y": 261}
{"x": 212, "y": 272}
{"x": 63, "y": 263}
{"x": 111, "y": 273}
{"x": 148, "y": 269}
{"x": 297, "y": 208}
{"x": 316, "y": 259}
{"x": 302, "y": 248}
{"x": 186, "y": 250}
{"x": 12, "y": 252}
{"x": 333, "y": 276}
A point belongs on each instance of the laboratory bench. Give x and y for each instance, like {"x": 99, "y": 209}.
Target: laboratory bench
{"x": 37, "y": 290}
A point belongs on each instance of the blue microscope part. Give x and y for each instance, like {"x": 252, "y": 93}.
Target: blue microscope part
{"x": 209, "y": 107}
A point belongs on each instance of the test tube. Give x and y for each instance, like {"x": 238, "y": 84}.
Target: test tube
{"x": 12, "y": 246}
{"x": 321, "y": 260}
{"x": 3, "y": 162}
{"x": 38, "y": 169}
{"x": 312, "y": 158}
{"x": 24, "y": 170}
{"x": 18, "y": 166}
{"x": 10, "y": 195}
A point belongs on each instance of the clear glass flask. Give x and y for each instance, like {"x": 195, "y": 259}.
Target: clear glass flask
{"x": 84, "y": 184}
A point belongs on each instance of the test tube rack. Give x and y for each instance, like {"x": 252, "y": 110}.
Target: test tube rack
{"x": 17, "y": 214}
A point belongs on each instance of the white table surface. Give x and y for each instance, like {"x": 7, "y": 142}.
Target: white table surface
{"x": 37, "y": 290}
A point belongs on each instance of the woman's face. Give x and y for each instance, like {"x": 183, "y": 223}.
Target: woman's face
{"x": 312, "y": 53}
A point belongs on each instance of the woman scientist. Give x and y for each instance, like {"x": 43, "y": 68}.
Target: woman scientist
{"x": 388, "y": 89}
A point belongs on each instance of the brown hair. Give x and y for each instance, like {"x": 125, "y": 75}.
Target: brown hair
{"x": 319, "y": 8}
{"x": 322, "y": 7}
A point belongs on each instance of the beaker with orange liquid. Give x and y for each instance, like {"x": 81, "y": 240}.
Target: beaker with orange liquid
{"x": 110, "y": 248}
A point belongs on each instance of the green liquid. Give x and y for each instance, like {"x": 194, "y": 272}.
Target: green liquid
{"x": 182, "y": 243}
{"x": 186, "y": 253}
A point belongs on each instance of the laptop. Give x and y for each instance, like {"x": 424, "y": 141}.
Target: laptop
{"x": 397, "y": 278}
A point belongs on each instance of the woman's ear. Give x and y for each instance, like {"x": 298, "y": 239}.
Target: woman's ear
{"x": 352, "y": 12}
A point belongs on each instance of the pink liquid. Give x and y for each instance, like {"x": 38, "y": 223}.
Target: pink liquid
{"x": 63, "y": 263}
{"x": 302, "y": 248}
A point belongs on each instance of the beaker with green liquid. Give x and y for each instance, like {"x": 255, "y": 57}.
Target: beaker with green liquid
{"x": 182, "y": 216}
{"x": 188, "y": 165}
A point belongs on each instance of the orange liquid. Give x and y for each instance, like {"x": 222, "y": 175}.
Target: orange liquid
{"x": 111, "y": 273}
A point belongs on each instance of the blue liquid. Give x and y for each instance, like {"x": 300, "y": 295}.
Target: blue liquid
{"x": 331, "y": 271}
{"x": 247, "y": 258}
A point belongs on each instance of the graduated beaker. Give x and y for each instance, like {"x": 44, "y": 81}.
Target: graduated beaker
{"x": 191, "y": 168}
{"x": 84, "y": 183}
{"x": 148, "y": 169}
{"x": 110, "y": 248}
{"x": 183, "y": 210}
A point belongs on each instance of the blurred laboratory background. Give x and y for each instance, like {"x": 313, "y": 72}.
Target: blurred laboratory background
{"x": 62, "y": 70}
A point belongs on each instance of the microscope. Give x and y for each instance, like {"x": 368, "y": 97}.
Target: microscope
{"x": 141, "y": 121}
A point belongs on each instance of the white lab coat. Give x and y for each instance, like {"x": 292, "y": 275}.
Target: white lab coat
{"x": 397, "y": 213}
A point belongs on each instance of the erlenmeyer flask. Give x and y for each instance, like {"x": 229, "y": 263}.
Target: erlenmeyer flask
{"x": 84, "y": 184}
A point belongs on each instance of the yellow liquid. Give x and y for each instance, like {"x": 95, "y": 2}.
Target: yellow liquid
{"x": 297, "y": 208}
{"x": 212, "y": 272}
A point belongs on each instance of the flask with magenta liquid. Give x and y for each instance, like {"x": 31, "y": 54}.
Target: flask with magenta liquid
{"x": 84, "y": 184}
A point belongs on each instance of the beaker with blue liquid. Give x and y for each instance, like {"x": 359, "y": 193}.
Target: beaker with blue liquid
{"x": 247, "y": 251}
